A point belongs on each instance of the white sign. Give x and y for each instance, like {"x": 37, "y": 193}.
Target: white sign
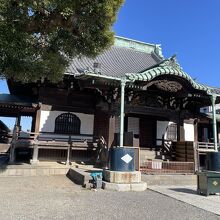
{"x": 127, "y": 158}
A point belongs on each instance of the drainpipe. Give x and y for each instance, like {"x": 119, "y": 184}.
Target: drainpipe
{"x": 213, "y": 97}
{"x": 123, "y": 83}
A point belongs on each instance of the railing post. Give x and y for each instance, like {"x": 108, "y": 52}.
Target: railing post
{"x": 68, "y": 159}
{"x": 213, "y": 98}
{"x": 12, "y": 153}
{"x": 196, "y": 156}
{"x": 34, "y": 159}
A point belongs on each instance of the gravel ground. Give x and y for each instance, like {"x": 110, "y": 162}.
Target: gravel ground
{"x": 56, "y": 197}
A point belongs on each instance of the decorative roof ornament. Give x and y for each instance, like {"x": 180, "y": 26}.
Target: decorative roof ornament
{"x": 166, "y": 85}
{"x": 158, "y": 51}
{"x": 172, "y": 62}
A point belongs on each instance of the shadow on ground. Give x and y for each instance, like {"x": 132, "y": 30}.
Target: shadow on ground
{"x": 184, "y": 190}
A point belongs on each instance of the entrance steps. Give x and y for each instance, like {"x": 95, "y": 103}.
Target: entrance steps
{"x": 20, "y": 170}
{"x": 48, "y": 169}
{"x": 41, "y": 169}
{"x": 148, "y": 154}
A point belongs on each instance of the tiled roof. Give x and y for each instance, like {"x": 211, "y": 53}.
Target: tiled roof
{"x": 215, "y": 90}
{"x": 170, "y": 67}
{"x": 16, "y": 100}
{"x": 116, "y": 62}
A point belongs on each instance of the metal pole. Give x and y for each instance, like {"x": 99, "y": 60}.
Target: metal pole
{"x": 123, "y": 82}
{"x": 214, "y": 122}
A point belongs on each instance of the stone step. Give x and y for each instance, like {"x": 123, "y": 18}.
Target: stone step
{"x": 39, "y": 169}
{"x": 147, "y": 154}
{"x": 123, "y": 187}
{"x": 168, "y": 179}
{"x": 82, "y": 176}
{"x": 25, "y": 171}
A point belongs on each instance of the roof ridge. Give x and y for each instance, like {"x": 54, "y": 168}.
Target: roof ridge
{"x": 138, "y": 45}
{"x": 136, "y": 41}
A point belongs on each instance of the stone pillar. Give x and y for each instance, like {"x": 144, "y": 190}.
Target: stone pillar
{"x": 12, "y": 153}
{"x": 34, "y": 159}
{"x": 14, "y": 139}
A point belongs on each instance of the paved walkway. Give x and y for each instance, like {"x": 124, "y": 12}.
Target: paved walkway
{"x": 188, "y": 194}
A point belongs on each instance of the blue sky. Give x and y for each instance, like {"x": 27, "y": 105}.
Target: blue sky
{"x": 188, "y": 28}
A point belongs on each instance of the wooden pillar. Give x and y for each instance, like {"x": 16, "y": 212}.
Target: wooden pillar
{"x": 180, "y": 130}
{"x": 104, "y": 125}
{"x": 218, "y": 129}
{"x": 18, "y": 123}
{"x": 111, "y": 130}
{"x": 36, "y": 128}
{"x": 195, "y": 130}
{"x": 37, "y": 121}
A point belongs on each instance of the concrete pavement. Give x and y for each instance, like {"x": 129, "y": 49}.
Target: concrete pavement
{"x": 188, "y": 194}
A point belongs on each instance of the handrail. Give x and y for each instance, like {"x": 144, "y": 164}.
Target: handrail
{"x": 205, "y": 145}
{"x": 53, "y": 137}
{"x": 40, "y": 133}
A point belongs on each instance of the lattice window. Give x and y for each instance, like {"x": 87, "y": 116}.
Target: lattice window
{"x": 172, "y": 132}
{"x": 67, "y": 123}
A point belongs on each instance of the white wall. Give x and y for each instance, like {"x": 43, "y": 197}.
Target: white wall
{"x": 189, "y": 132}
{"x": 47, "y": 121}
{"x": 208, "y": 109}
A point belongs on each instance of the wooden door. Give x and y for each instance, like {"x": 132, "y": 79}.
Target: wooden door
{"x": 147, "y": 132}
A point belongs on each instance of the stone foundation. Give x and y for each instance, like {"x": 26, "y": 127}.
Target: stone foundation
{"x": 122, "y": 177}
{"x": 123, "y": 181}
{"x": 123, "y": 187}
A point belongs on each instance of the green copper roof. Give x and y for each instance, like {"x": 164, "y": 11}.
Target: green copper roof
{"x": 168, "y": 67}
{"x": 138, "y": 46}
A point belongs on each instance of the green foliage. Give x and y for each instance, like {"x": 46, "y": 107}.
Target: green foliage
{"x": 39, "y": 37}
